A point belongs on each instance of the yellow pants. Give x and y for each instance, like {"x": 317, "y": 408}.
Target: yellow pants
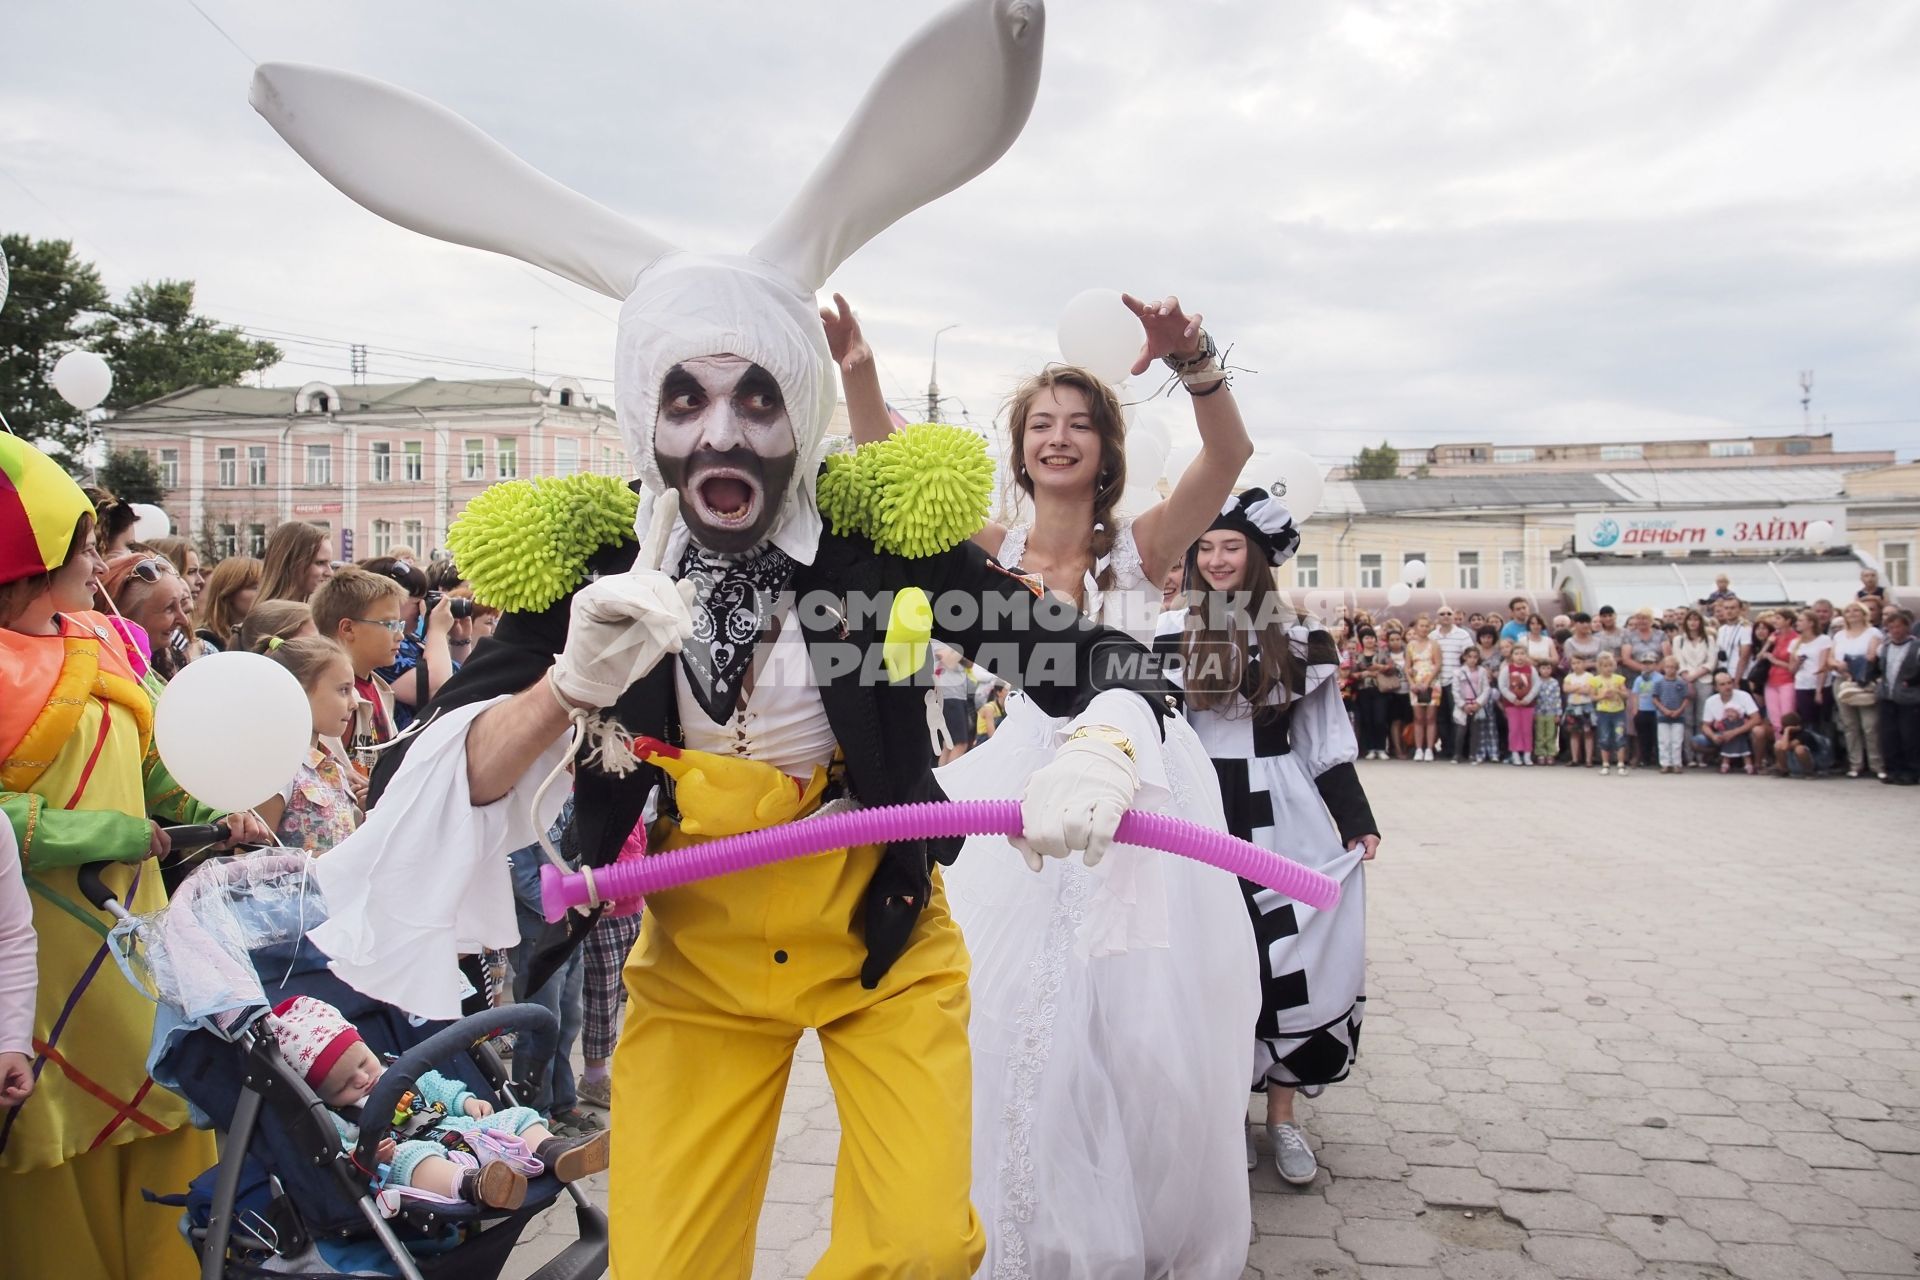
{"x": 725, "y": 976}
{"x": 86, "y": 1217}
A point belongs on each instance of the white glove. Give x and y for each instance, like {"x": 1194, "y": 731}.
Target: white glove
{"x": 1075, "y": 802}
{"x": 621, "y": 627}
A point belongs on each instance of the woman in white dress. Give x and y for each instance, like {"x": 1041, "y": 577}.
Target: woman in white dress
{"x": 1110, "y": 1004}
{"x": 1260, "y": 693}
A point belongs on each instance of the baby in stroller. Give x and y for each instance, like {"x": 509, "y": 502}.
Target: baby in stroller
{"x": 450, "y": 1144}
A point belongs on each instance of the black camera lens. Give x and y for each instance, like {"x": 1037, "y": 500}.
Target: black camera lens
{"x": 462, "y": 607}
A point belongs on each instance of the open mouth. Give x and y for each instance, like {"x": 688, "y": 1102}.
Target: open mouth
{"x": 727, "y": 499}
{"x": 1058, "y": 462}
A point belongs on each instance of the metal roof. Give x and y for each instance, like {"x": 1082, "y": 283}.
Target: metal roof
{"x": 1629, "y": 584}
{"x": 373, "y": 397}
{"x": 1643, "y": 486}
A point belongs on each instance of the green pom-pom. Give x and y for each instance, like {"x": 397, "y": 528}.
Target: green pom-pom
{"x": 524, "y": 544}
{"x": 920, "y": 491}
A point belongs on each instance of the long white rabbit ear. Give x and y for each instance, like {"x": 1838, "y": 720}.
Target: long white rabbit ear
{"x": 949, "y": 104}
{"x": 415, "y": 163}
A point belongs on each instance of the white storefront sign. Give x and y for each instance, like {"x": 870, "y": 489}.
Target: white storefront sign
{"x": 1626, "y": 532}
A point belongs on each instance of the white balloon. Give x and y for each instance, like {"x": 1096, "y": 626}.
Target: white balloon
{"x": 1414, "y": 572}
{"x": 1100, "y": 334}
{"x": 1398, "y": 594}
{"x": 82, "y": 378}
{"x": 1820, "y": 532}
{"x": 1291, "y": 476}
{"x": 1149, "y": 444}
{"x": 150, "y": 522}
{"x": 233, "y": 728}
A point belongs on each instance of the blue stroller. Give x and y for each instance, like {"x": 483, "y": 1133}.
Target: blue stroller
{"x": 288, "y": 1198}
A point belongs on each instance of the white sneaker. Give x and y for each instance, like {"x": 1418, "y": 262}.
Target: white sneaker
{"x": 1605, "y": 769}
{"x": 1292, "y": 1157}
{"x": 1527, "y": 760}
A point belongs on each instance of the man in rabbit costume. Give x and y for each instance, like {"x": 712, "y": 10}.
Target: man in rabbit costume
{"x": 725, "y": 386}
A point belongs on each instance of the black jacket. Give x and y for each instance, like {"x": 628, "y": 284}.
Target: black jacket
{"x": 881, "y": 728}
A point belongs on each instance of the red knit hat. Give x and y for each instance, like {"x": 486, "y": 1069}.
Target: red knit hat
{"x": 312, "y": 1036}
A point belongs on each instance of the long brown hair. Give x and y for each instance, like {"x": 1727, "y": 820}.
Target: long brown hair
{"x": 1214, "y": 654}
{"x": 216, "y": 612}
{"x": 291, "y": 549}
{"x": 270, "y": 618}
{"x": 1109, "y": 423}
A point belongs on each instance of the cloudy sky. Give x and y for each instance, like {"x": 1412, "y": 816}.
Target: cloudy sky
{"x": 1418, "y": 220}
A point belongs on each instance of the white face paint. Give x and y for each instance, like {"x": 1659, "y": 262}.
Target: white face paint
{"x": 723, "y": 439}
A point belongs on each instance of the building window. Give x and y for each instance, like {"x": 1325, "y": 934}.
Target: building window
{"x": 1421, "y": 556}
{"x": 322, "y": 402}
{"x": 1469, "y": 570}
{"x": 226, "y": 541}
{"x": 1513, "y": 455}
{"x": 566, "y": 456}
{"x": 413, "y": 461}
{"x": 416, "y": 537}
{"x": 508, "y": 450}
{"x": 382, "y": 454}
{"x": 1799, "y": 446}
{"x": 1371, "y": 573}
{"x": 256, "y": 464}
{"x": 606, "y": 461}
{"x": 319, "y": 464}
{"x": 476, "y": 451}
{"x": 1896, "y": 564}
{"x": 227, "y": 466}
{"x": 382, "y": 537}
{"x": 1306, "y": 571}
{"x": 1622, "y": 452}
{"x": 1730, "y": 449}
{"x": 566, "y": 399}
{"x": 1513, "y": 570}
{"x": 256, "y": 540}
{"x": 170, "y": 468}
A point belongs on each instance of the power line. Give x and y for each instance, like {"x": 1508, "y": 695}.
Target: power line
{"x": 251, "y": 60}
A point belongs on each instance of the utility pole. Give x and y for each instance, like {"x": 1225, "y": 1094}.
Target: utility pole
{"x": 933, "y": 375}
{"x": 359, "y": 358}
{"x": 534, "y": 364}
{"x": 1806, "y": 401}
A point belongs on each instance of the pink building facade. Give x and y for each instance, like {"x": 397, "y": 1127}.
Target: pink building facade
{"x": 381, "y": 466}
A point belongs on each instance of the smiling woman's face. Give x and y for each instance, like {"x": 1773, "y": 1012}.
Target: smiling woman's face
{"x": 724, "y": 441}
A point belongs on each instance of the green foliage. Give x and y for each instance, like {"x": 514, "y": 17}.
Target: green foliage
{"x": 920, "y": 491}
{"x": 131, "y": 476}
{"x": 156, "y": 345}
{"x": 153, "y": 341}
{"x": 52, "y": 293}
{"x": 523, "y": 544}
{"x": 1376, "y": 464}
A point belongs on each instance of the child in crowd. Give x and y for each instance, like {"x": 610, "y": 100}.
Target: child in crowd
{"x": 1519, "y": 689}
{"x": 1672, "y": 699}
{"x": 1546, "y": 714}
{"x": 1579, "y": 689}
{"x": 1644, "y": 726}
{"x": 1791, "y": 758}
{"x": 992, "y": 711}
{"x": 448, "y": 1144}
{"x": 320, "y": 807}
{"x": 1610, "y": 713}
{"x": 1472, "y": 708}
{"x": 272, "y": 620}
{"x": 19, "y": 975}
{"x": 363, "y": 611}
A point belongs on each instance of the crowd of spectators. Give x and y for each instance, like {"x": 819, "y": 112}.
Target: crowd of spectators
{"x": 396, "y": 631}
{"x": 1792, "y": 692}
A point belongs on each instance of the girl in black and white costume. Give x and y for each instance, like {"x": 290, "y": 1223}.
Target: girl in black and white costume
{"x": 1261, "y": 697}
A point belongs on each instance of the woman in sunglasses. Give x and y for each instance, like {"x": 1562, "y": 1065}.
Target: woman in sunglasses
{"x": 79, "y": 782}
{"x": 146, "y": 591}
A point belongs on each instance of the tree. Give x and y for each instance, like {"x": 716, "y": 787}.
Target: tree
{"x": 131, "y": 476}
{"x": 156, "y": 345}
{"x": 152, "y": 339}
{"x": 52, "y": 292}
{"x": 1376, "y": 464}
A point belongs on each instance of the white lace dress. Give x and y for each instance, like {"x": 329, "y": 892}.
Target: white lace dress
{"x": 1111, "y": 1011}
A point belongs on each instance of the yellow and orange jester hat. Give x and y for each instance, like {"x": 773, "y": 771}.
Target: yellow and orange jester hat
{"x": 39, "y": 507}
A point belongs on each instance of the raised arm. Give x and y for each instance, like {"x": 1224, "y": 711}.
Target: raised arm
{"x": 1167, "y": 529}
{"x": 867, "y": 416}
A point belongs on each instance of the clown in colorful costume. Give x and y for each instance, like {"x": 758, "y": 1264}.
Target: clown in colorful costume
{"x": 79, "y": 781}
{"x": 745, "y": 629}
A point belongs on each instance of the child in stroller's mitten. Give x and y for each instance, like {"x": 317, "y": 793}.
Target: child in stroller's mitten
{"x": 447, "y": 1143}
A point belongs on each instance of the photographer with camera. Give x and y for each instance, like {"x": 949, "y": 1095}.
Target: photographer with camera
{"x": 434, "y": 621}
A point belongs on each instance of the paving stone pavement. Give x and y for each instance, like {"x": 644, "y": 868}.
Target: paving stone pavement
{"x": 1653, "y": 1026}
